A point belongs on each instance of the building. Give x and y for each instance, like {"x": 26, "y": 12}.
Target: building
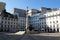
{"x": 46, "y": 21}
{"x": 52, "y": 21}
{"x": 34, "y": 21}
{"x": 21, "y": 14}
{"x": 9, "y": 22}
{"x": 2, "y": 6}
{"x": 43, "y": 20}
{"x": 32, "y": 12}
{"x": 44, "y": 9}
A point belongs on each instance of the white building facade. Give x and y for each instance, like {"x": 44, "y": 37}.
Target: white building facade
{"x": 46, "y": 22}
{"x": 53, "y": 20}
{"x": 9, "y": 22}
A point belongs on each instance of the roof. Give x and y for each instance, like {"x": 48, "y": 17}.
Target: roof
{"x": 6, "y": 14}
{"x": 21, "y": 12}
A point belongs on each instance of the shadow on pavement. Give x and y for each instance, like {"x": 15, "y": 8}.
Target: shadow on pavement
{"x": 28, "y": 37}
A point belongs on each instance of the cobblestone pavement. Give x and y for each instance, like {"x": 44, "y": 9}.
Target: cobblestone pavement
{"x": 30, "y": 37}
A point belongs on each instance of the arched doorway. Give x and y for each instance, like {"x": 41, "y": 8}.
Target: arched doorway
{"x": 54, "y": 30}
{"x": 57, "y": 29}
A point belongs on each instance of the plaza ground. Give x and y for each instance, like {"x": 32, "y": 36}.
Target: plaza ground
{"x": 41, "y": 36}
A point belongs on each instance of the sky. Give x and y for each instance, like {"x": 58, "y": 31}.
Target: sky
{"x": 36, "y": 4}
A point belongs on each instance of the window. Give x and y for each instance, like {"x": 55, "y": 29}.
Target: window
{"x": 42, "y": 27}
{"x": 56, "y": 21}
{"x": 45, "y": 22}
{"x": 53, "y": 22}
{"x": 2, "y": 17}
{"x": 2, "y": 21}
{"x": 50, "y": 22}
{"x": 14, "y": 22}
{"x": 11, "y": 25}
{"x": 53, "y": 26}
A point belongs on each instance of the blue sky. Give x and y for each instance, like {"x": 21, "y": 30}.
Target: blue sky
{"x": 22, "y": 4}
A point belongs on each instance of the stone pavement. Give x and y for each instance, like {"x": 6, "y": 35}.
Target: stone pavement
{"x": 41, "y": 36}
{"x": 48, "y": 34}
